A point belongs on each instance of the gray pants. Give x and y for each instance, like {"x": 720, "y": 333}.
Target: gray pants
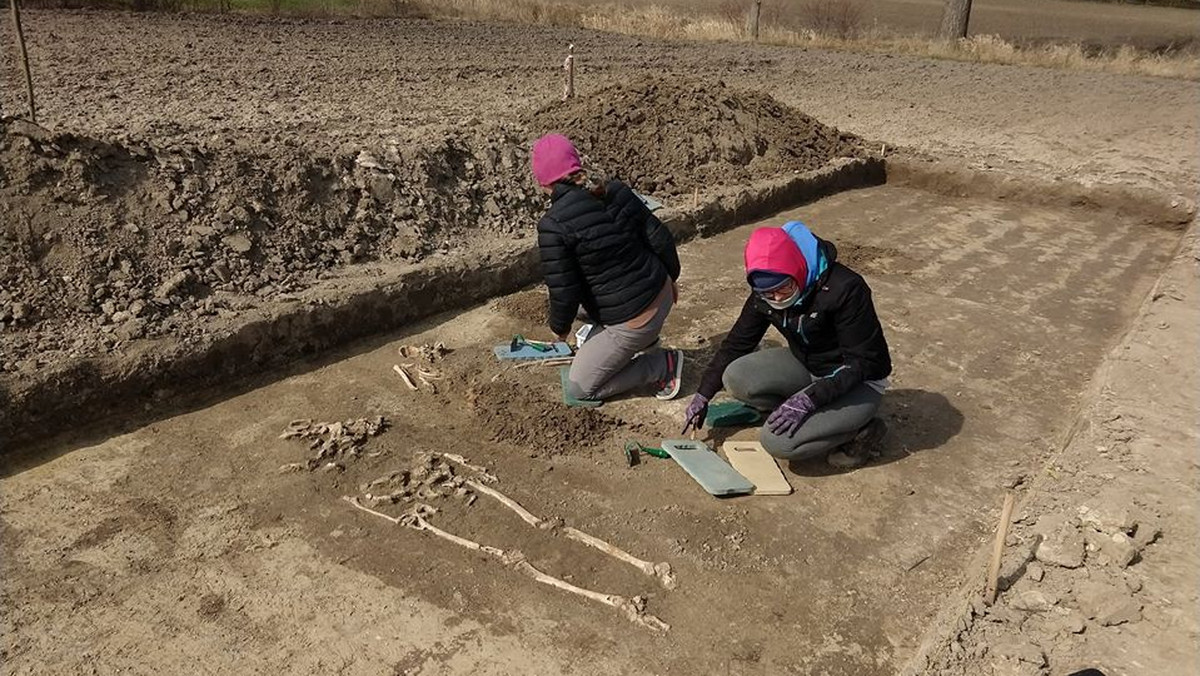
{"x": 606, "y": 365}
{"x": 766, "y": 378}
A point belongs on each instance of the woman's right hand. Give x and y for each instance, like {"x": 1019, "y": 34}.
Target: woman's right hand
{"x": 697, "y": 411}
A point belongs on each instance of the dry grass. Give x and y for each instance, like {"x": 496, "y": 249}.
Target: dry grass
{"x": 827, "y": 24}
{"x": 661, "y": 23}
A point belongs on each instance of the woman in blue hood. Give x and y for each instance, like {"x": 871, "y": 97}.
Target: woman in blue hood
{"x": 822, "y": 391}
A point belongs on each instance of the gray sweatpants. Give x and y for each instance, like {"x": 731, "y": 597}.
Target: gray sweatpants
{"x": 766, "y": 378}
{"x": 606, "y": 364}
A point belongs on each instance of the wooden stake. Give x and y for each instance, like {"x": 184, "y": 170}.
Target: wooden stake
{"x": 569, "y": 74}
{"x": 998, "y": 548}
{"x": 16, "y": 18}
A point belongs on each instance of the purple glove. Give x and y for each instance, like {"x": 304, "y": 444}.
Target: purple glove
{"x": 791, "y": 414}
{"x": 697, "y": 411}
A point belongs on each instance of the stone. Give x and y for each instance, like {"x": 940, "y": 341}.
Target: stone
{"x": 222, "y": 272}
{"x": 1062, "y": 547}
{"x": 1120, "y": 549}
{"x": 1032, "y": 601}
{"x": 1107, "y": 515}
{"x": 108, "y": 307}
{"x": 1146, "y": 534}
{"x": 238, "y": 242}
{"x": 171, "y": 285}
{"x": 1035, "y": 572}
{"x": 1069, "y": 622}
{"x": 1107, "y": 604}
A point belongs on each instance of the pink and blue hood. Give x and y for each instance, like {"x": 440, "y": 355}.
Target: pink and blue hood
{"x": 791, "y": 250}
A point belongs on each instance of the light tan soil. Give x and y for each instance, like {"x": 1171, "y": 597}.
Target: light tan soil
{"x": 851, "y": 567}
{"x": 179, "y": 547}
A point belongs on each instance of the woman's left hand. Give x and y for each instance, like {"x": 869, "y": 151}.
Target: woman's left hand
{"x": 791, "y": 414}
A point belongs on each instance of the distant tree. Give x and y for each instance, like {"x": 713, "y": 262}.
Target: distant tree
{"x": 955, "y": 16}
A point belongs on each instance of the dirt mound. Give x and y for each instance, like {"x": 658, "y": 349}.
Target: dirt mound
{"x": 104, "y": 242}
{"x": 529, "y": 307}
{"x": 525, "y": 417}
{"x": 667, "y": 137}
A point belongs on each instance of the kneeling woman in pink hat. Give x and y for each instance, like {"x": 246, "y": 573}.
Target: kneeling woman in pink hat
{"x": 603, "y": 251}
{"x": 822, "y": 391}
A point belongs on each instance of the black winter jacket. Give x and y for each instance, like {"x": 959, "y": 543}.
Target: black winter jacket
{"x": 833, "y": 331}
{"x": 608, "y": 254}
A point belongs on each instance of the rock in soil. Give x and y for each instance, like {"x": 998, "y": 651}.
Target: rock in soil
{"x": 1062, "y": 545}
{"x": 1107, "y": 604}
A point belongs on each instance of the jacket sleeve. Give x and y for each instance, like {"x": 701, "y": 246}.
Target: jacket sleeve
{"x": 561, "y": 272}
{"x": 864, "y": 351}
{"x": 657, "y": 235}
{"x": 662, "y": 242}
{"x": 743, "y": 338}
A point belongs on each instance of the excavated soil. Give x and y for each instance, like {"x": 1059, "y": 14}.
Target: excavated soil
{"x": 109, "y": 241}
{"x": 529, "y": 307}
{"x": 672, "y": 136}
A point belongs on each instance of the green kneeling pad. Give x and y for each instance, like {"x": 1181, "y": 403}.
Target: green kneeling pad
{"x": 564, "y": 375}
{"x": 732, "y": 414}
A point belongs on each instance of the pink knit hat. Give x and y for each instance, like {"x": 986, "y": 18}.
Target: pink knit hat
{"x": 554, "y": 158}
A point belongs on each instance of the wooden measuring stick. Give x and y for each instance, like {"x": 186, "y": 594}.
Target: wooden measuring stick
{"x": 998, "y": 548}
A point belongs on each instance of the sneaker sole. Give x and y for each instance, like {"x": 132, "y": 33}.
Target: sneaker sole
{"x": 678, "y": 378}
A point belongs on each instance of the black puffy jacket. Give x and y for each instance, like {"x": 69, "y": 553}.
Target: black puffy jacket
{"x": 834, "y": 332}
{"x": 606, "y": 253}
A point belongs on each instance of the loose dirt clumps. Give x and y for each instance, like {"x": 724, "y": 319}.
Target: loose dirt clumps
{"x": 545, "y": 427}
{"x": 669, "y": 136}
{"x": 531, "y": 307}
{"x": 104, "y": 242}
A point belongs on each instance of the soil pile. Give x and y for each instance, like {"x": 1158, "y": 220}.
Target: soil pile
{"x": 104, "y": 242}
{"x": 525, "y": 417}
{"x": 668, "y": 137}
{"x": 529, "y": 307}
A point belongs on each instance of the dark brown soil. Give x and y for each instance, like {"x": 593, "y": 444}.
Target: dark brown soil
{"x": 528, "y": 307}
{"x": 526, "y": 417}
{"x": 672, "y": 136}
{"x": 104, "y": 242}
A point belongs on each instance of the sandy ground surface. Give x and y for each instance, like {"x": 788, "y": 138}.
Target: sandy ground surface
{"x": 185, "y": 529}
{"x": 180, "y": 547}
{"x": 1100, "y": 568}
{"x": 322, "y": 84}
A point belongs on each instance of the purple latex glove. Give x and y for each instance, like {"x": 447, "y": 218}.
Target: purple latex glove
{"x": 791, "y": 414}
{"x": 697, "y": 411}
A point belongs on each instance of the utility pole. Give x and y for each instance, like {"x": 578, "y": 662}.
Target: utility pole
{"x": 955, "y": 16}
{"x": 755, "y": 11}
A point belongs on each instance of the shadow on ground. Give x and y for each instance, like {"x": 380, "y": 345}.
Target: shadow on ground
{"x": 918, "y": 420}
